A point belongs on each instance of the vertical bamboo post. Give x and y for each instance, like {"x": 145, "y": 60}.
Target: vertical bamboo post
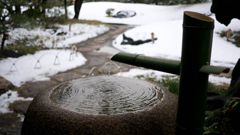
{"x": 196, "y": 52}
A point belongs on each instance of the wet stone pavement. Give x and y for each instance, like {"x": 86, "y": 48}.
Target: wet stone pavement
{"x": 97, "y": 62}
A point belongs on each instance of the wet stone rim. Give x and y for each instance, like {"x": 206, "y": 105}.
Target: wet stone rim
{"x": 106, "y": 95}
{"x": 43, "y": 117}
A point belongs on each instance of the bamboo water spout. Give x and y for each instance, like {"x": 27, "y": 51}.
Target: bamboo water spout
{"x": 193, "y": 69}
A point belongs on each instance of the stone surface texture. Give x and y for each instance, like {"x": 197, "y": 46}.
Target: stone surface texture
{"x": 5, "y": 85}
{"x": 52, "y": 119}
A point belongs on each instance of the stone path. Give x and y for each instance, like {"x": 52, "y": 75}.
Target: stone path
{"x": 97, "y": 61}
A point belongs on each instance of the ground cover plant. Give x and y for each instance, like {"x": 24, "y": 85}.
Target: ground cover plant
{"x": 170, "y": 82}
{"x": 221, "y": 122}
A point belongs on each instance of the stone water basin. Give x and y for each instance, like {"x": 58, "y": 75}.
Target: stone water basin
{"x": 102, "y": 105}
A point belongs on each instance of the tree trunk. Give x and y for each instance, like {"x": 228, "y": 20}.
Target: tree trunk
{"x": 18, "y": 9}
{"x": 43, "y": 4}
{"x": 65, "y": 6}
{"x": 77, "y": 8}
{"x": 3, "y": 40}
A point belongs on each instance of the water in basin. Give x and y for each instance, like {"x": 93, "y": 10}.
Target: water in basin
{"x": 106, "y": 95}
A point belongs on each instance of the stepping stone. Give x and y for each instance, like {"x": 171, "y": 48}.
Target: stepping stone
{"x": 5, "y": 85}
{"x": 114, "y": 69}
{"x": 85, "y": 49}
{"x": 96, "y": 46}
{"x": 86, "y": 72}
{"x": 83, "y": 71}
{"x": 20, "y": 106}
{"x": 33, "y": 88}
{"x": 99, "y": 40}
{"x": 101, "y": 54}
{"x": 79, "y": 44}
{"x": 66, "y": 76}
{"x": 105, "y": 69}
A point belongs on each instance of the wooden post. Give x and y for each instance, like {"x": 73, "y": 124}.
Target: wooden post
{"x": 70, "y": 25}
{"x": 229, "y": 32}
{"x": 152, "y": 37}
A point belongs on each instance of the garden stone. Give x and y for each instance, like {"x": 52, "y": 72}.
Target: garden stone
{"x": 20, "y": 106}
{"x": 66, "y": 76}
{"x": 33, "y": 88}
{"x": 45, "y": 116}
{"x": 5, "y": 85}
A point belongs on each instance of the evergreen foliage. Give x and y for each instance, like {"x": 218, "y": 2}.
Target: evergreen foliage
{"x": 222, "y": 121}
{"x": 12, "y": 17}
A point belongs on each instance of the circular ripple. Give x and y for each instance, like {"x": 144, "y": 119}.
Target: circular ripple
{"x": 106, "y": 95}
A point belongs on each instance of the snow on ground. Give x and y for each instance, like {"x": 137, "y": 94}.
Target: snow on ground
{"x": 8, "y": 98}
{"x": 166, "y": 24}
{"x": 160, "y": 75}
{"x": 39, "y": 66}
{"x": 169, "y": 42}
{"x": 145, "y": 13}
{"x": 78, "y": 33}
{"x": 25, "y": 65}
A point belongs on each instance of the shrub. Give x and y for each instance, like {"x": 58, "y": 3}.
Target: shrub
{"x": 25, "y": 45}
{"x": 109, "y": 12}
{"x": 236, "y": 37}
{"x": 220, "y": 121}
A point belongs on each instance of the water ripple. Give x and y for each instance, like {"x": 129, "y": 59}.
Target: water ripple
{"x": 106, "y": 95}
